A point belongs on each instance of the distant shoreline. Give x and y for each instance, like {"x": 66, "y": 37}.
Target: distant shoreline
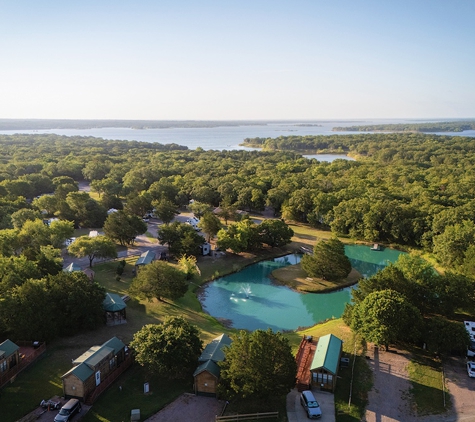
{"x": 51, "y": 124}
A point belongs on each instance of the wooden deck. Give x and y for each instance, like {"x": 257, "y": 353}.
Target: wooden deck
{"x": 304, "y": 358}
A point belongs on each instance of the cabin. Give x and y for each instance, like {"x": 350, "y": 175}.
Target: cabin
{"x": 114, "y": 307}
{"x": 325, "y": 363}
{"x": 146, "y": 258}
{"x": 206, "y": 375}
{"x": 92, "y": 368}
{"x": 9, "y": 356}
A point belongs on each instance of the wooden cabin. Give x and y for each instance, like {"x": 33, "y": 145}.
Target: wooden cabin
{"x": 325, "y": 363}
{"x": 9, "y": 357}
{"x": 206, "y": 376}
{"x": 92, "y": 368}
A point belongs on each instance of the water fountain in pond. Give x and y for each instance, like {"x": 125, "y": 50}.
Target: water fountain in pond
{"x": 246, "y": 289}
{"x": 243, "y": 294}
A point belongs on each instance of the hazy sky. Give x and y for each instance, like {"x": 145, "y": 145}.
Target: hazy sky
{"x": 316, "y": 59}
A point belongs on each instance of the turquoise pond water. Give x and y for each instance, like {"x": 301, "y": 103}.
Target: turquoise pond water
{"x": 249, "y": 300}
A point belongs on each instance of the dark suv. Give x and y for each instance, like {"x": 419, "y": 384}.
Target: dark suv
{"x": 68, "y": 410}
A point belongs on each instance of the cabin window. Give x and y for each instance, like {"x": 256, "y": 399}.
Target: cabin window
{"x": 3, "y": 366}
{"x": 112, "y": 363}
{"x": 330, "y": 379}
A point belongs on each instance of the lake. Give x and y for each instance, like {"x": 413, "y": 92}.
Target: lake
{"x": 249, "y": 299}
{"x": 218, "y": 138}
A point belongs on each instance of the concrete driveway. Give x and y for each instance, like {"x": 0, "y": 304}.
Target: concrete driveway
{"x": 296, "y": 413}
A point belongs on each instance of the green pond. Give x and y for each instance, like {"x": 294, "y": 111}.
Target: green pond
{"x": 249, "y": 300}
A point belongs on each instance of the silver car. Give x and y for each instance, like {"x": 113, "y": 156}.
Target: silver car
{"x": 310, "y": 404}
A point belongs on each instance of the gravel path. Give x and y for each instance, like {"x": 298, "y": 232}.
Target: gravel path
{"x": 189, "y": 407}
{"x": 387, "y": 401}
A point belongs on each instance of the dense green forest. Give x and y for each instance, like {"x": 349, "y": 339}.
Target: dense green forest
{"x": 411, "y": 127}
{"x": 404, "y": 189}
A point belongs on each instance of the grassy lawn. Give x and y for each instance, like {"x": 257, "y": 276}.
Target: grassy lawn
{"x": 427, "y": 389}
{"x": 131, "y": 396}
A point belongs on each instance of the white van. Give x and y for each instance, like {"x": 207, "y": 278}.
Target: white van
{"x": 193, "y": 222}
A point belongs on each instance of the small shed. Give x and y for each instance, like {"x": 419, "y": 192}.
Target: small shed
{"x": 207, "y": 373}
{"x": 114, "y": 306}
{"x": 9, "y": 356}
{"x": 145, "y": 259}
{"x": 324, "y": 367}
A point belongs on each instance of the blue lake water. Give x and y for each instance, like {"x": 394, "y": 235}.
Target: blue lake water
{"x": 249, "y": 300}
{"x": 221, "y": 137}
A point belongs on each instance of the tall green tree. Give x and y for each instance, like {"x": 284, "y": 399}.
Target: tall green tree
{"x": 258, "y": 365}
{"x": 93, "y": 247}
{"x": 275, "y": 233}
{"x": 450, "y": 246}
{"x": 210, "y": 225}
{"x": 328, "y": 261}
{"x": 170, "y": 349}
{"x": 386, "y": 317}
{"x": 159, "y": 280}
{"x": 123, "y": 228}
{"x": 181, "y": 239}
{"x": 165, "y": 210}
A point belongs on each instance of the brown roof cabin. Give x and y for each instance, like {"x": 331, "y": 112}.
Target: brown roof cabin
{"x": 207, "y": 374}
{"x": 9, "y": 358}
{"x": 92, "y": 368}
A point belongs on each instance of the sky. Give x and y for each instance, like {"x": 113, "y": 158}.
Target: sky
{"x": 234, "y": 60}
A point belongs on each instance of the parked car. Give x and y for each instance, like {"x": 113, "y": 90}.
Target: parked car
{"x": 471, "y": 369}
{"x": 310, "y": 404}
{"x": 67, "y": 412}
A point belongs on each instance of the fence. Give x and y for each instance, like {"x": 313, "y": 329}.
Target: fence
{"x": 247, "y": 417}
{"x": 23, "y": 364}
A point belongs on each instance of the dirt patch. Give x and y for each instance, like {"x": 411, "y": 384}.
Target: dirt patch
{"x": 294, "y": 277}
{"x": 189, "y": 407}
{"x": 388, "y": 399}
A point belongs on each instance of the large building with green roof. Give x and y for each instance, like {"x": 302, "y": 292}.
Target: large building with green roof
{"x": 326, "y": 362}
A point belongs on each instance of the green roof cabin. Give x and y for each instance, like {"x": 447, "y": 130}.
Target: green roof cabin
{"x": 207, "y": 373}
{"x": 9, "y": 358}
{"x": 326, "y": 361}
{"x": 114, "y": 307}
{"x": 92, "y": 368}
{"x": 145, "y": 259}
